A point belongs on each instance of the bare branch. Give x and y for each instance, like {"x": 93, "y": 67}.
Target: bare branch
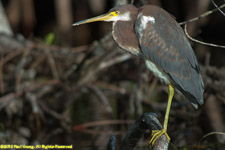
{"x": 202, "y": 15}
{"x": 218, "y": 8}
{"x": 200, "y": 42}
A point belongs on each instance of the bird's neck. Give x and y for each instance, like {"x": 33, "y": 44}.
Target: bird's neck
{"x": 124, "y": 34}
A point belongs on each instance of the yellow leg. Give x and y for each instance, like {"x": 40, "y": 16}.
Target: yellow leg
{"x": 157, "y": 133}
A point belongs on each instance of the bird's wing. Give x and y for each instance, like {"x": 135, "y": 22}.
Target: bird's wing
{"x": 164, "y": 43}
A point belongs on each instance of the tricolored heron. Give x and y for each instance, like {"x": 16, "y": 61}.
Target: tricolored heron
{"x": 151, "y": 33}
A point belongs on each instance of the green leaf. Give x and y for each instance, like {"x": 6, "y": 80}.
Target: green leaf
{"x": 49, "y": 38}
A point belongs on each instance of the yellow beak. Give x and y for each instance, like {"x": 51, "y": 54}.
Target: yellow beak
{"x": 104, "y": 17}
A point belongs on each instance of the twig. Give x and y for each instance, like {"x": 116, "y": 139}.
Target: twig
{"x": 19, "y": 69}
{"x": 200, "y": 42}
{"x": 85, "y": 128}
{"x": 93, "y": 66}
{"x": 79, "y": 49}
{"x": 33, "y": 100}
{"x": 202, "y": 15}
{"x": 52, "y": 63}
{"x": 12, "y": 96}
{"x": 209, "y": 134}
{"x": 12, "y": 55}
{"x": 36, "y": 110}
{"x": 41, "y": 85}
{"x": 218, "y": 8}
{"x": 2, "y": 88}
{"x": 37, "y": 62}
{"x": 5, "y": 100}
{"x": 199, "y": 17}
{"x": 2, "y": 62}
{"x": 51, "y": 134}
{"x": 113, "y": 61}
{"x": 102, "y": 97}
{"x": 50, "y": 111}
{"x": 111, "y": 87}
{"x": 43, "y": 91}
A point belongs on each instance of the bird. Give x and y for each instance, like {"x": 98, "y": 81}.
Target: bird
{"x": 153, "y": 34}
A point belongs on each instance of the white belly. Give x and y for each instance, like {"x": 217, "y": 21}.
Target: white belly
{"x": 161, "y": 75}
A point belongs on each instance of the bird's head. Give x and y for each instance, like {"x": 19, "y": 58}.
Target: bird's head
{"x": 118, "y": 13}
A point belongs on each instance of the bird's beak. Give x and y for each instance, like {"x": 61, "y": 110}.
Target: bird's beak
{"x": 105, "y": 17}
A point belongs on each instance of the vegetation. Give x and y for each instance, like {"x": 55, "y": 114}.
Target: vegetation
{"x": 57, "y": 81}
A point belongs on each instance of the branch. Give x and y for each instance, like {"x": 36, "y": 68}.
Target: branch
{"x": 202, "y": 15}
{"x": 218, "y": 8}
{"x": 200, "y": 42}
{"x": 147, "y": 121}
{"x": 199, "y": 17}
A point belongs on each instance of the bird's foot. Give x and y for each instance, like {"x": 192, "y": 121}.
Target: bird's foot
{"x": 156, "y": 134}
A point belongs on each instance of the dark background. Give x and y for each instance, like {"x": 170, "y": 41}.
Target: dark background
{"x": 58, "y": 85}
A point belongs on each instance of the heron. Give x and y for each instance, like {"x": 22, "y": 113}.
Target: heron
{"x": 153, "y": 34}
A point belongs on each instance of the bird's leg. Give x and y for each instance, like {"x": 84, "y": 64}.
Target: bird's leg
{"x": 157, "y": 133}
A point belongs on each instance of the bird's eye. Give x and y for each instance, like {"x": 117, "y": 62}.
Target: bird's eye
{"x": 117, "y": 12}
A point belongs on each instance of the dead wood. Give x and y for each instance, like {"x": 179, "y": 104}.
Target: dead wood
{"x": 26, "y": 69}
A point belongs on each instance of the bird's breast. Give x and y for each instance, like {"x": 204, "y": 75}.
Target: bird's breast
{"x": 124, "y": 35}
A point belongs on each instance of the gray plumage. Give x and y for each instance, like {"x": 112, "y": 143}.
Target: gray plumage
{"x": 165, "y": 44}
